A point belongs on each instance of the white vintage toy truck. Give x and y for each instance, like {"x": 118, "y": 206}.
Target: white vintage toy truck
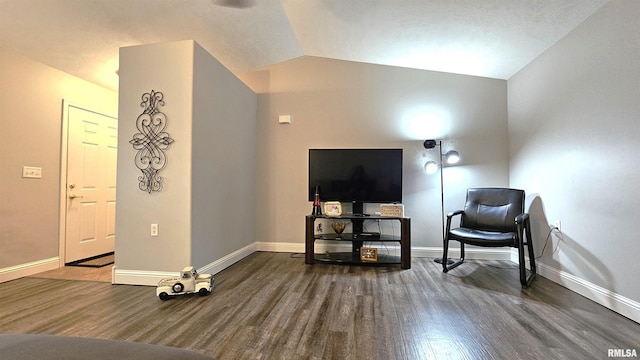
{"x": 188, "y": 282}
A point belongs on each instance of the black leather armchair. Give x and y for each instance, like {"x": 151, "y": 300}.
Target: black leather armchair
{"x": 492, "y": 217}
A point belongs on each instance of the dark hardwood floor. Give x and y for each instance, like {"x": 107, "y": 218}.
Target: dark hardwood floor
{"x": 273, "y": 306}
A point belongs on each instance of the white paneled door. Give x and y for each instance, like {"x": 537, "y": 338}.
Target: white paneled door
{"x": 91, "y": 184}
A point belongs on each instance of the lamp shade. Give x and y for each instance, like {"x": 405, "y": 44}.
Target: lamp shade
{"x": 452, "y": 157}
{"x": 431, "y": 167}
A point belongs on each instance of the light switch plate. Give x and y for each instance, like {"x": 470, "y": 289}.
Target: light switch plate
{"x": 284, "y": 119}
{"x": 32, "y": 172}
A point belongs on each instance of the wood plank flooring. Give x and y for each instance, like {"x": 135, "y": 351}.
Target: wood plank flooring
{"x": 102, "y": 274}
{"x": 273, "y": 306}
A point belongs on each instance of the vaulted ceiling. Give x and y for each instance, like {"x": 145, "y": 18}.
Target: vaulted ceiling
{"x": 490, "y": 38}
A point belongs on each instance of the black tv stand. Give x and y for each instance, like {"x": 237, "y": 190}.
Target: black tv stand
{"x": 357, "y": 208}
{"x": 367, "y": 235}
{"x": 356, "y": 239}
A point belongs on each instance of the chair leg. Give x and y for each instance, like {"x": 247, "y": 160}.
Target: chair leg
{"x": 532, "y": 257}
{"x": 524, "y": 279}
{"x": 445, "y": 254}
{"x": 445, "y": 266}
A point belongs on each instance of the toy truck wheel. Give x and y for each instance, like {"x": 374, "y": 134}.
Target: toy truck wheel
{"x": 203, "y": 292}
{"x": 177, "y": 287}
{"x": 163, "y": 296}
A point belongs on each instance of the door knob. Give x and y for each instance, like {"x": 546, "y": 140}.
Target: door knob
{"x": 73, "y": 196}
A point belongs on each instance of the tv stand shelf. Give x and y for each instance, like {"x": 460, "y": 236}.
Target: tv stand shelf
{"x": 356, "y": 241}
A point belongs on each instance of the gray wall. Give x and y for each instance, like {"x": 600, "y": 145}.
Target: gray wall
{"x": 573, "y": 135}
{"x": 205, "y": 209}
{"x": 344, "y": 104}
{"x": 223, "y": 166}
{"x": 31, "y": 96}
{"x": 171, "y": 73}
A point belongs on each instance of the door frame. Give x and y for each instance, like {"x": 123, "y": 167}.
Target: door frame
{"x": 102, "y": 109}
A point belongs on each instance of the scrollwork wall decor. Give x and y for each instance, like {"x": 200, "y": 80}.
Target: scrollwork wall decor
{"x": 151, "y": 142}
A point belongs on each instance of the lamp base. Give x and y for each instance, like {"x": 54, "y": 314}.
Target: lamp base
{"x": 439, "y": 261}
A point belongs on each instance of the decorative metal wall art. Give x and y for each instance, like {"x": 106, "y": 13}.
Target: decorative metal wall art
{"x": 151, "y": 142}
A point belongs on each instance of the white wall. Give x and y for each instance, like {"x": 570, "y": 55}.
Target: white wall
{"x": 573, "y": 138}
{"x": 31, "y": 96}
{"x": 336, "y": 103}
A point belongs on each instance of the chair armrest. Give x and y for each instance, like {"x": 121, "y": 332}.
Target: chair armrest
{"x": 449, "y": 217}
{"x": 522, "y": 218}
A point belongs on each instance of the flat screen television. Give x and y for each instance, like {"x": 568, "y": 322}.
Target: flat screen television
{"x": 356, "y": 175}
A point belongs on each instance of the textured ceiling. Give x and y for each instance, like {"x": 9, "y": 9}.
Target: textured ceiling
{"x": 491, "y": 38}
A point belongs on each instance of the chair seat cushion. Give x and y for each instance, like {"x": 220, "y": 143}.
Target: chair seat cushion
{"x": 483, "y": 238}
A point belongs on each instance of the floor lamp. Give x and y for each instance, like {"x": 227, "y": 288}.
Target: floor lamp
{"x": 431, "y": 167}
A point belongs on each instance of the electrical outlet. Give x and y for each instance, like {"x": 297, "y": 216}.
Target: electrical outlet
{"x": 557, "y": 224}
{"x": 154, "y": 229}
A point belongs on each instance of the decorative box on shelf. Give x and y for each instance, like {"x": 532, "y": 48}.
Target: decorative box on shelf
{"x": 392, "y": 210}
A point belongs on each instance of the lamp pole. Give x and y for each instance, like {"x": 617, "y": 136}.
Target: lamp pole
{"x": 441, "y": 190}
{"x": 430, "y": 144}
{"x": 439, "y": 260}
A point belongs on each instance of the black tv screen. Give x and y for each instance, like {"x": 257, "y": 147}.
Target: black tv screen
{"x": 356, "y": 175}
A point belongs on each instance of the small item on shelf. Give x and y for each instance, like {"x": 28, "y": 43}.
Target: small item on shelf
{"x": 338, "y": 226}
{"x": 369, "y": 254}
{"x": 317, "y": 209}
{"x": 333, "y": 208}
{"x": 395, "y": 210}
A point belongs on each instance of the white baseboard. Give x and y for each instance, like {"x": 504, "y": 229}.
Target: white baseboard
{"x": 28, "y": 269}
{"x": 139, "y": 277}
{"x": 469, "y": 253}
{"x": 280, "y": 247}
{"x": 228, "y": 260}
{"x": 151, "y": 278}
{"x": 607, "y": 298}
